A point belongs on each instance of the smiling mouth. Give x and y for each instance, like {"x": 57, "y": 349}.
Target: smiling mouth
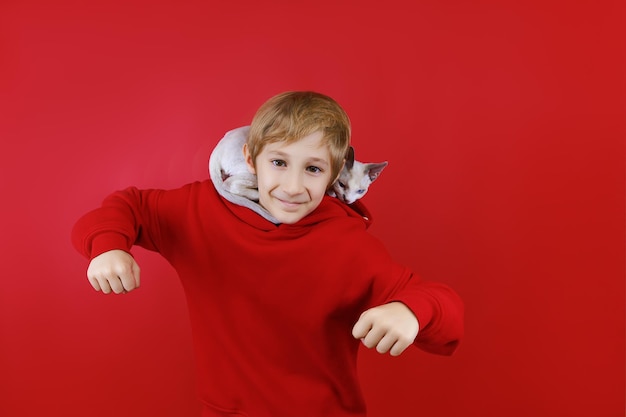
{"x": 290, "y": 204}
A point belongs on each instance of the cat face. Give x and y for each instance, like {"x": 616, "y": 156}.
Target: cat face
{"x": 354, "y": 181}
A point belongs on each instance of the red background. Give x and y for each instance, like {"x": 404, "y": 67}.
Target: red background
{"x": 504, "y": 126}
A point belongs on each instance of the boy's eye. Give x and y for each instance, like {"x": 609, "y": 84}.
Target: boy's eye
{"x": 314, "y": 170}
{"x": 279, "y": 163}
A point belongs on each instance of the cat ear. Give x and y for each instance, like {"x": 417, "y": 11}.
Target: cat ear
{"x": 375, "y": 169}
{"x": 350, "y": 158}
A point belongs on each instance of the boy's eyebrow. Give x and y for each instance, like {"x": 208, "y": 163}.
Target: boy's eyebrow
{"x": 312, "y": 159}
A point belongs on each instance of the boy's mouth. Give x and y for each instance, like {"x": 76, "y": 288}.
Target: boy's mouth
{"x": 289, "y": 204}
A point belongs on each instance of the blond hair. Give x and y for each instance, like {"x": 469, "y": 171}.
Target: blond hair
{"x": 293, "y": 115}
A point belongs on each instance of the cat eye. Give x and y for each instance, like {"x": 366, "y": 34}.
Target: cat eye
{"x": 360, "y": 191}
{"x": 341, "y": 184}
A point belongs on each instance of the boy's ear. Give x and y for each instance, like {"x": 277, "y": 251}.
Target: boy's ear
{"x": 248, "y": 158}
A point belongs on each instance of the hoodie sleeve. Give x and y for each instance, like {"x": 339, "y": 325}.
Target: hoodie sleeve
{"x": 438, "y": 308}
{"x": 126, "y": 218}
{"x": 439, "y": 312}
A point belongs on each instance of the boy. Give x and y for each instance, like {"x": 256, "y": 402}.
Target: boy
{"x": 277, "y": 310}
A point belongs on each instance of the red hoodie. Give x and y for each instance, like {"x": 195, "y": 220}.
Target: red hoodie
{"x": 272, "y": 306}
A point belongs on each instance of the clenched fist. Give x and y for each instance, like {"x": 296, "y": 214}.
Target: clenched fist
{"x": 113, "y": 271}
{"x": 390, "y": 328}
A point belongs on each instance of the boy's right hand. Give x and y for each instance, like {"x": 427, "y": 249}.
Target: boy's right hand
{"x": 113, "y": 271}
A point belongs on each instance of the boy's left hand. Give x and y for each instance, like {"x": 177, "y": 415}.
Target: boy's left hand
{"x": 390, "y": 327}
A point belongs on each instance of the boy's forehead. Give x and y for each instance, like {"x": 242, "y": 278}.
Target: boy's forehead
{"x": 310, "y": 146}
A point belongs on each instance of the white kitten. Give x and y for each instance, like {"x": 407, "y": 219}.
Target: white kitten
{"x": 355, "y": 178}
{"x": 233, "y": 181}
{"x": 230, "y": 175}
{"x": 228, "y": 168}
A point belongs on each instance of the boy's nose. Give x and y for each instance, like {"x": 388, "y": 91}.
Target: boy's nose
{"x": 293, "y": 184}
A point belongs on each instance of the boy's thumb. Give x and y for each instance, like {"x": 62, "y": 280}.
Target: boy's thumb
{"x": 361, "y": 327}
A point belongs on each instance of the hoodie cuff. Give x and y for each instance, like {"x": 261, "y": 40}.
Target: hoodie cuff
{"x": 420, "y": 305}
{"x": 106, "y": 242}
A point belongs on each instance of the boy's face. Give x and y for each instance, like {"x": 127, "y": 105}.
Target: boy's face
{"x": 293, "y": 177}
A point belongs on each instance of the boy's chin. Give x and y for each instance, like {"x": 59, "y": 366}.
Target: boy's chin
{"x": 286, "y": 213}
{"x": 285, "y": 217}
{"x": 289, "y": 218}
